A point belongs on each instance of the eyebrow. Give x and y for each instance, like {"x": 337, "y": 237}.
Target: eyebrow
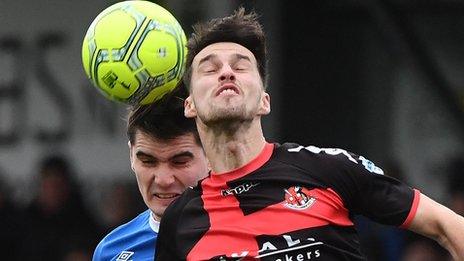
{"x": 184, "y": 154}
{"x": 207, "y": 58}
{"x": 143, "y": 154}
{"x": 180, "y": 154}
{"x": 241, "y": 56}
{"x": 213, "y": 56}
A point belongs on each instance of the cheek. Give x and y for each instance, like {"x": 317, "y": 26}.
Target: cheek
{"x": 142, "y": 175}
{"x": 258, "y": 83}
{"x": 200, "y": 86}
{"x": 198, "y": 169}
{"x": 187, "y": 178}
{"x": 190, "y": 176}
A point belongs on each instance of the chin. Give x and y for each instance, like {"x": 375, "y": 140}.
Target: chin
{"x": 227, "y": 114}
{"x": 158, "y": 211}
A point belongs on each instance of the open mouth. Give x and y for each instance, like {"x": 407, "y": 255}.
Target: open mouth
{"x": 166, "y": 195}
{"x": 227, "y": 89}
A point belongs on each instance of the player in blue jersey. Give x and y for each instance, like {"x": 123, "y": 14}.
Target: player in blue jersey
{"x": 167, "y": 157}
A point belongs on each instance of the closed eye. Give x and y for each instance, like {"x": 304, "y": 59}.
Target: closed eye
{"x": 208, "y": 67}
{"x": 242, "y": 64}
{"x": 210, "y": 70}
{"x": 180, "y": 162}
{"x": 182, "y": 159}
{"x": 146, "y": 159}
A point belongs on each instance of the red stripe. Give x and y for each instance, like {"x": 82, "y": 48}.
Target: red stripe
{"x": 232, "y": 232}
{"x": 413, "y": 211}
{"x": 253, "y": 165}
{"x": 222, "y": 210}
{"x": 224, "y": 236}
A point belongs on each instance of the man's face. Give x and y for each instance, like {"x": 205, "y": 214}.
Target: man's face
{"x": 164, "y": 169}
{"x": 226, "y": 85}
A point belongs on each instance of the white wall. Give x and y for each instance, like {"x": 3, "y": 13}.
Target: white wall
{"x": 59, "y": 98}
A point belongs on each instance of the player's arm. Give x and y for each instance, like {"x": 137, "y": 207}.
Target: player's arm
{"x": 440, "y": 223}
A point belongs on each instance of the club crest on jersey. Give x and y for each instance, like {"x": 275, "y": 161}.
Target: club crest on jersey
{"x": 298, "y": 198}
{"x": 239, "y": 189}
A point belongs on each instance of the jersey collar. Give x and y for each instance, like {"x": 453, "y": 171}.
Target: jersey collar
{"x": 154, "y": 224}
{"x": 253, "y": 165}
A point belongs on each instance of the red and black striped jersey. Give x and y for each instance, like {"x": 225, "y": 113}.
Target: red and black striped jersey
{"x": 289, "y": 203}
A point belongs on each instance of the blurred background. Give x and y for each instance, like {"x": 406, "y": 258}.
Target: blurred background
{"x": 381, "y": 78}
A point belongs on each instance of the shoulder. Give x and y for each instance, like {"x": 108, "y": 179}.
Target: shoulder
{"x": 191, "y": 194}
{"x": 189, "y": 202}
{"x": 324, "y": 157}
{"x": 136, "y": 223}
{"x": 311, "y": 157}
{"x": 124, "y": 235}
{"x": 296, "y": 150}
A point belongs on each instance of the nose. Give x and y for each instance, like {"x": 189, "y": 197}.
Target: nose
{"x": 164, "y": 177}
{"x": 227, "y": 74}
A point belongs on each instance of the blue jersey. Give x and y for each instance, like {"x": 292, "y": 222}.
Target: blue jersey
{"x": 134, "y": 240}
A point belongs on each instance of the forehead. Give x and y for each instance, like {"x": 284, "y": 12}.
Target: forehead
{"x": 223, "y": 50}
{"x": 164, "y": 148}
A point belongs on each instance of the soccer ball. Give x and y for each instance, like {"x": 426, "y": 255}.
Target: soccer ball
{"x": 134, "y": 52}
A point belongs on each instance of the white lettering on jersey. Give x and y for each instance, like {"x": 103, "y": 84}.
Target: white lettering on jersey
{"x": 297, "y": 249}
{"x": 290, "y": 241}
{"x": 239, "y": 189}
{"x": 267, "y": 246}
{"x": 243, "y": 254}
{"x": 368, "y": 165}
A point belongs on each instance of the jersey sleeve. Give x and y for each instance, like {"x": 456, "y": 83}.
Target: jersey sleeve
{"x": 368, "y": 191}
{"x": 101, "y": 251}
{"x": 97, "y": 253}
{"x": 364, "y": 188}
{"x": 383, "y": 199}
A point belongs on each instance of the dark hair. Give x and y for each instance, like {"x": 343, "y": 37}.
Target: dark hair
{"x": 163, "y": 119}
{"x": 240, "y": 28}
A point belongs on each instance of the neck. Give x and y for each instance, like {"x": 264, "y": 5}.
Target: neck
{"x": 232, "y": 145}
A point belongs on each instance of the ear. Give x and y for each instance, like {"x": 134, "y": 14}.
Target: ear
{"x": 265, "y": 106}
{"x": 189, "y": 108}
{"x": 130, "y": 156}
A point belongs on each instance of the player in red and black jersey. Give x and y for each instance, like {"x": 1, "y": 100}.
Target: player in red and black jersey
{"x": 269, "y": 201}
{"x": 289, "y": 203}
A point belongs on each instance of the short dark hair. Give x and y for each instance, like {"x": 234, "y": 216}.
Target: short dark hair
{"x": 240, "y": 28}
{"x": 163, "y": 119}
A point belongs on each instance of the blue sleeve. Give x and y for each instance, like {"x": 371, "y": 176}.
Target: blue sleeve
{"x": 97, "y": 254}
